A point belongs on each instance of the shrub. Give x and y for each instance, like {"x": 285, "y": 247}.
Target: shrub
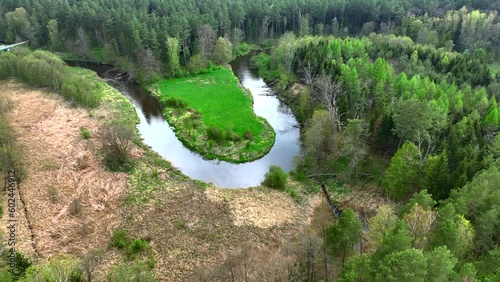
{"x": 175, "y": 103}
{"x": 80, "y": 92}
{"x": 276, "y": 178}
{"x": 216, "y": 134}
{"x": 137, "y": 246}
{"x": 116, "y": 139}
{"x": 248, "y": 135}
{"x": 85, "y": 133}
{"x": 119, "y": 239}
{"x": 179, "y": 73}
{"x": 75, "y": 207}
{"x": 231, "y": 135}
{"x": 136, "y": 271}
{"x": 298, "y": 175}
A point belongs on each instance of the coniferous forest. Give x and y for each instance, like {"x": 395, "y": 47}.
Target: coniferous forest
{"x": 398, "y": 107}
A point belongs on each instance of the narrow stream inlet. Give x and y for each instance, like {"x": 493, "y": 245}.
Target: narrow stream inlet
{"x": 158, "y": 134}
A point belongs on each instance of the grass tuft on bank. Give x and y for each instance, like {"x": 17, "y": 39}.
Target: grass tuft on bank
{"x": 213, "y": 115}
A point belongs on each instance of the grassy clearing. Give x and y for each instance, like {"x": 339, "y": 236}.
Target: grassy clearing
{"x": 214, "y": 116}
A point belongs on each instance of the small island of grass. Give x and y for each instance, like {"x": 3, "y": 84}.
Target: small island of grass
{"x": 212, "y": 114}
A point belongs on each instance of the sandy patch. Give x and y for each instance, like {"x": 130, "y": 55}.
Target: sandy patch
{"x": 72, "y": 201}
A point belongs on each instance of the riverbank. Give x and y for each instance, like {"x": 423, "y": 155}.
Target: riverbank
{"x": 70, "y": 193}
{"x": 212, "y": 114}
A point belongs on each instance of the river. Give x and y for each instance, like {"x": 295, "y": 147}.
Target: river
{"x": 157, "y": 133}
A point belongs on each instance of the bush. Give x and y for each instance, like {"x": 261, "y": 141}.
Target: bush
{"x": 216, "y": 134}
{"x": 175, "y": 103}
{"x": 231, "y": 135}
{"x": 276, "y": 178}
{"x": 248, "y": 135}
{"x": 85, "y": 133}
{"x": 116, "y": 139}
{"x": 136, "y": 271}
{"x": 179, "y": 73}
{"x": 137, "y": 246}
{"x": 80, "y": 92}
{"x": 119, "y": 239}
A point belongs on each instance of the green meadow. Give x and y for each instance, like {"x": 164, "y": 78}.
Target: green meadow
{"x": 213, "y": 114}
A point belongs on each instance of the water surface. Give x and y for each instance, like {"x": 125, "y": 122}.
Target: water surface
{"x": 158, "y": 134}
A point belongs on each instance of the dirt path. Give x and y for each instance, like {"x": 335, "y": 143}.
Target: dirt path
{"x": 71, "y": 200}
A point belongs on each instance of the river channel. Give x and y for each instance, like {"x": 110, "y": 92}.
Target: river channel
{"x": 158, "y": 134}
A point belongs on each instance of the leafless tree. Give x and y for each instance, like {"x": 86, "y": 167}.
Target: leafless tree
{"x": 148, "y": 62}
{"x": 308, "y": 74}
{"x": 206, "y": 40}
{"x": 90, "y": 262}
{"x": 328, "y": 91}
{"x": 264, "y": 28}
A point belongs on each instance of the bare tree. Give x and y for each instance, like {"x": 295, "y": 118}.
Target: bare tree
{"x": 264, "y": 28}
{"x": 89, "y": 264}
{"x": 206, "y": 40}
{"x": 327, "y": 92}
{"x": 308, "y": 74}
{"x": 148, "y": 63}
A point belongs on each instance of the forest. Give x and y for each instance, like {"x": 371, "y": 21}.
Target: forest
{"x": 398, "y": 98}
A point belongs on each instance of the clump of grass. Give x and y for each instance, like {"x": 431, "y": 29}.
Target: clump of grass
{"x": 231, "y": 135}
{"x": 75, "y": 208}
{"x": 216, "y": 134}
{"x": 276, "y": 178}
{"x": 85, "y": 133}
{"x": 119, "y": 239}
{"x": 248, "y": 135}
{"x": 132, "y": 247}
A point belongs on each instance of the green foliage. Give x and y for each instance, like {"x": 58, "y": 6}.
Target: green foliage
{"x": 441, "y": 264}
{"x": 381, "y": 224}
{"x": 422, "y": 198}
{"x": 398, "y": 239}
{"x": 341, "y": 237}
{"x": 408, "y": 265}
{"x": 478, "y": 202}
{"x": 63, "y": 268}
{"x": 453, "y": 231}
{"x": 122, "y": 240}
{"x": 85, "y": 133}
{"x": 216, "y": 134}
{"x": 318, "y": 140}
{"x": 173, "y": 57}
{"x": 436, "y": 176}
{"x": 176, "y": 103}
{"x": 223, "y": 51}
{"x": 119, "y": 239}
{"x": 196, "y": 63}
{"x": 136, "y": 247}
{"x": 276, "y": 178}
{"x": 136, "y": 271}
{"x": 402, "y": 177}
{"x": 357, "y": 268}
{"x": 411, "y": 119}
